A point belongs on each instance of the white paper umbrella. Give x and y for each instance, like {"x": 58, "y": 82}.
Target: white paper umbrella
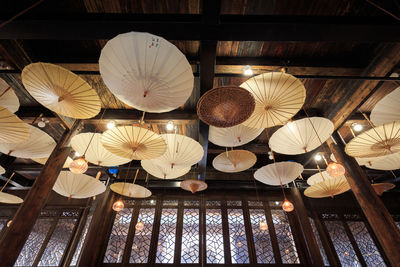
{"x": 385, "y": 163}
{"x": 387, "y": 109}
{"x": 12, "y": 128}
{"x": 328, "y": 188}
{"x": 234, "y": 161}
{"x": 8, "y": 98}
{"x": 233, "y": 136}
{"x": 319, "y": 177}
{"x": 182, "y": 152}
{"x": 360, "y": 161}
{"x": 38, "y": 145}
{"x": 279, "y": 96}
{"x": 301, "y": 136}
{"x": 73, "y": 185}
{"x": 95, "y": 152}
{"x": 10, "y": 199}
{"x": 275, "y": 173}
{"x": 2, "y": 170}
{"x": 130, "y": 190}
{"x": 44, "y": 160}
{"x": 162, "y": 171}
{"x": 146, "y": 72}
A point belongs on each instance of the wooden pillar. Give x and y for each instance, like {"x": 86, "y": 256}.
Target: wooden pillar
{"x": 16, "y": 235}
{"x": 375, "y": 211}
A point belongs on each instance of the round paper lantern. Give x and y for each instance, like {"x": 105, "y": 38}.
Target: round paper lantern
{"x": 133, "y": 142}
{"x": 73, "y": 185}
{"x": 61, "y": 91}
{"x": 78, "y": 165}
{"x": 328, "y": 188}
{"x": 163, "y": 172}
{"x": 193, "y": 185}
{"x": 38, "y": 145}
{"x": 44, "y": 160}
{"x": 2, "y": 170}
{"x": 301, "y": 136}
{"x": 8, "y": 98}
{"x": 380, "y": 188}
{"x": 287, "y": 206}
{"x": 387, "y": 109}
{"x": 10, "y": 199}
{"x": 280, "y": 172}
{"x": 279, "y": 96}
{"x": 118, "y": 205}
{"x": 146, "y": 72}
{"x": 12, "y": 128}
{"x": 233, "y": 136}
{"x": 234, "y": 161}
{"x": 335, "y": 169}
{"x": 130, "y": 190}
{"x": 385, "y": 163}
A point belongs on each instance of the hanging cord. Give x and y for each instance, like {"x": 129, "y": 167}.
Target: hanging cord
{"x": 9, "y": 179}
{"x": 20, "y": 13}
{"x": 383, "y": 10}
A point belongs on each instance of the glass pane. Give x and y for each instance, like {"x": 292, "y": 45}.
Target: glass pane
{"x": 262, "y": 239}
{"x": 237, "y": 235}
{"x": 190, "y": 236}
{"x": 34, "y": 242}
{"x": 142, "y": 238}
{"x": 54, "y": 251}
{"x": 166, "y": 238}
{"x": 81, "y": 241}
{"x": 342, "y": 244}
{"x": 214, "y": 237}
{"x": 319, "y": 242}
{"x": 119, "y": 232}
{"x": 365, "y": 243}
{"x": 284, "y": 236}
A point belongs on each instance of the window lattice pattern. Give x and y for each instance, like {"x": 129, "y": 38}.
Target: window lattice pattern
{"x": 166, "y": 237}
{"x": 3, "y": 223}
{"x": 237, "y": 235}
{"x": 255, "y": 203}
{"x": 55, "y": 248}
{"x": 214, "y": 237}
{"x": 234, "y": 203}
{"x": 210, "y": 203}
{"x": 142, "y": 238}
{"x": 81, "y": 241}
{"x": 262, "y": 238}
{"x": 319, "y": 242}
{"x": 365, "y": 243}
{"x": 190, "y": 236}
{"x": 119, "y": 233}
{"x": 34, "y": 242}
{"x": 284, "y": 236}
{"x": 170, "y": 202}
{"x": 342, "y": 244}
{"x": 191, "y": 203}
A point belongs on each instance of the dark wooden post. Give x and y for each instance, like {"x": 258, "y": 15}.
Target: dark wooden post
{"x": 15, "y": 237}
{"x": 375, "y": 211}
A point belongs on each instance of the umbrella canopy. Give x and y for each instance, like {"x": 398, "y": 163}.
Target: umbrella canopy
{"x": 319, "y": 177}
{"x": 301, "y": 136}
{"x": 12, "y": 128}
{"x": 193, "y": 185}
{"x": 10, "y": 199}
{"x": 280, "y": 172}
{"x": 387, "y": 109}
{"x": 8, "y": 98}
{"x": 328, "y": 188}
{"x": 146, "y": 72}
{"x": 385, "y": 163}
{"x": 163, "y": 172}
{"x": 130, "y": 190}
{"x": 60, "y": 90}
{"x": 279, "y": 96}
{"x": 44, "y": 160}
{"x": 380, "y": 188}
{"x": 2, "y": 170}
{"x": 134, "y": 143}
{"x": 234, "y": 161}
{"x": 360, "y": 161}
{"x": 233, "y": 136}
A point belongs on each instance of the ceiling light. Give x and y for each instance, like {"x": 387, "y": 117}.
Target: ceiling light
{"x": 318, "y": 157}
{"x": 357, "y": 127}
{"x": 110, "y": 124}
{"x": 247, "y": 70}
{"x": 78, "y": 165}
{"x": 139, "y": 226}
{"x": 335, "y": 169}
{"x": 170, "y": 126}
{"x": 263, "y": 225}
{"x": 287, "y": 206}
{"x": 118, "y": 205}
{"x": 77, "y": 154}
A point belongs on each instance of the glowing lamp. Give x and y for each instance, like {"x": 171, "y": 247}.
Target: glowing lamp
{"x": 118, "y": 205}
{"x": 263, "y": 226}
{"x": 139, "y": 226}
{"x": 335, "y": 169}
{"x": 287, "y": 206}
{"x": 9, "y": 223}
{"x": 78, "y": 165}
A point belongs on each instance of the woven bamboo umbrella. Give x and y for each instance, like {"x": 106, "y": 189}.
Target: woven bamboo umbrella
{"x": 193, "y": 185}
{"x": 8, "y": 98}
{"x": 182, "y": 151}
{"x": 12, "y": 128}
{"x": 163, "y": 172}
{"x": 146, "y": 72}
{"x": 233, "y": 136}
{"x": 38, "y": 145}
{"x": 279, "y": 173}
{"x": 328, "y": 188}
{"x": 61, "y": 91}
{"x": 73, "y": 185}
{"x": 130, "y": 190}
{"x": 301, "y": 136}
{"x": 385, "y": 163}
{"x": 380, "y": 188}
{"x": 279, "y": 96}
{"x": 234, "y": 161}
{"x": 44, "y": 160}
{"x": 320, "y": 177}
{"x": 387, "y": 109}
{"x": 134, "y": 143}
{"x": 89, "y": 144}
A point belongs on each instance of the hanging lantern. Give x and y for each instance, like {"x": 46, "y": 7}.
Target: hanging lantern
{"x": 287, "y": 206}
{"x": 335, "y": 169}
{"x": 263, "y": 226}
{"x": 118, "y": 205}
{"x": 139, "y": 226}
{"x": 78, "y": 165}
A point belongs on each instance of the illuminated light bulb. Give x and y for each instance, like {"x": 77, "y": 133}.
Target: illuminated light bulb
{"x": 239, "y": 243}
{"x": 77, "y": 154}
{"x": 263, "y": 226}
{"x": 139, "y": 226}
{"x": 9, "y": 223}
{"x": 247, "y": 70}
{"x": 357, "y": 127}
{"x": 318, "y": 157}
{"x": 287, "y": 206}
{"x": 335, "y": 169}
{"x": 170, "y": 126}
{"x": 118, "y": 205}
{"x": 110, "y": 124}
{"x": 41, "y": 124}
{"x": 79, "y": 165}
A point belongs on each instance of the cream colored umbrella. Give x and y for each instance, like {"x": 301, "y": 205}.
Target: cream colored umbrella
{"x": 319, "y": 177}
{"x": 146, "y": 72}
{"x": 193, "y": 185}
{"x": 134, "y": 143}
{"x": 60, "y": 90}
{"x": 280, "y": 172}
{"x": 328, "y": 188}
{"x": 279, "y": 96}
{"x": 233, "y": 136}
{"x": 89, "y": 144}
{"x": 130, "y": 190}
{"x": 387, "y": 109}
{"x": 8, "y": 98}
{"x": 73, "y": 185}
{"x": 38, "y": 145}
{"x": 385, "y": 163}
{"x": 380, "y": 188}
{"x": 44, "y": 160}
{"x": 378, "y": 141}
{"x": 2, "y": 170}
{"x": 162, "y": 171}
{"x": 12, "y": 128}
{"x": 10, "y": 199}
{"x": 301, "y": 136}
{"x": 182, "y": 151}
{"x": 234, "y": 161}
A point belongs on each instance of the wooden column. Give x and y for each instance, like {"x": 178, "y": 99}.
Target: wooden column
{"x": 375, "y": 211}
{"x": 15, "y": 237}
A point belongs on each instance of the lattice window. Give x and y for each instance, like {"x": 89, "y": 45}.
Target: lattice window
{"x": 365, "y": 243}
{"x": 148, "y": 202}
{"x": 81, "y": 241}
{"x": 213, "y": 203}
{"x": 190, "y": 236}
{"x": 284, "y": 236}
{"x": 193, "y": 203}
{"x": 170, "y": 202}
{"x": 119, "y": 233}
{"x": 234, "y": 203}
{"x": 142, "y": 238}
{"x": 255, "y": 203}
{"x": 3, "y": 223}
{"x": 237, "y": 235}
{"x": 262, "y": 238}
{"x": 214, "y": 237}
{"x": 166, "y": 237}
{"x": 319, "y": 242}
